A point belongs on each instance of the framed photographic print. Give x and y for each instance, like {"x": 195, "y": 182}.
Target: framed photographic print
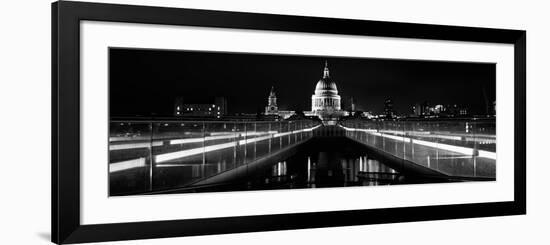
{"x": 176, "y": 122}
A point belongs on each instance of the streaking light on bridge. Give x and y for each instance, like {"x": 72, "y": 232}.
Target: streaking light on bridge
{"x": 458, "y": 149}
{"x": 125, "y": 165}
{"x": 186, "y": 153}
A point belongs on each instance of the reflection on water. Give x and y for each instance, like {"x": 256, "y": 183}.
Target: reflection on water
{"x": 325, "y": 169}
{"x": 321, "y": 163}
{"x": 318, "y": 164}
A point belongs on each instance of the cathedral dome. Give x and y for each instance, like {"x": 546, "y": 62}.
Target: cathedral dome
{"x": 325, "y": 86}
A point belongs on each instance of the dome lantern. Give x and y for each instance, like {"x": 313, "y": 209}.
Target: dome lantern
{"x": 326, "y": 74}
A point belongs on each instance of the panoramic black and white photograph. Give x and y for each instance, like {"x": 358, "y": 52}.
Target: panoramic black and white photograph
{"x": 200, "y": 121}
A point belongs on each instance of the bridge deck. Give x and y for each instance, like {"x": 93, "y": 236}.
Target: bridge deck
{"x": 146, "y": 164}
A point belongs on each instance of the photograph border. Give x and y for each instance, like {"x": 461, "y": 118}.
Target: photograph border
{"x": 66, "y": 224}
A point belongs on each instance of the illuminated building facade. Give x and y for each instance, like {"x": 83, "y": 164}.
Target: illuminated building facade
{"x": 388, "y": 109}
{"x": 273, "y": 109}
{"x": 425, "y": 110}
{"x": 216, "y": 109}
{"x": 325, "y": 102}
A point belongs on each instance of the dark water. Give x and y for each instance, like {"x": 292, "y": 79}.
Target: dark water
{"x": 325, "y": 169}
{"x": 319, "y": 164}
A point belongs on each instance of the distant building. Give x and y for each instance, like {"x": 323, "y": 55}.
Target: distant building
{"x": 463, "y": 111}
{"x": 351, "y": 107}
{"x": 368, "y": 114}
{"x": 421, "y": 109}
{"x": 388, "y": 109}
{"x": 216, "y": 109}
{"x": 416, "y": 112}
{"x": 273, "y": 109}
{"x": 457, "y": 111}
{"x": 439, "y": 109}
{"x": 425, "y": 110}
{"x": 222, "y": 103}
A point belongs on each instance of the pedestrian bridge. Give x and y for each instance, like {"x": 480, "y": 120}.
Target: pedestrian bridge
{"x": 163, "y": 156}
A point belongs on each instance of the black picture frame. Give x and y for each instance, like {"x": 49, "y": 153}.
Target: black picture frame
{"x": 66, "y": 17}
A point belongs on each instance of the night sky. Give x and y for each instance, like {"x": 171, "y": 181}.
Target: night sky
{"x": 146, "y": 82}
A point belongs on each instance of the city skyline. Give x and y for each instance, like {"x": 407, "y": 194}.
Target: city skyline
{"x": 246, "y": 80}
{"x": 298, "y": 132}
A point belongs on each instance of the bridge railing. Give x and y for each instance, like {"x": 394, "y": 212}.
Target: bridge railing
{"x": 160, "y": 155}
{"x": 465, "y": 148}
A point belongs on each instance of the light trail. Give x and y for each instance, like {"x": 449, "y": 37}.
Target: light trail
{"x": 219, "y": 136}
{"x": 115, "y": 147}
{"x": 247, "y": 141}
{"x": 126, "y": 165}
{"x": 214, "y": 136}
{"x": 447, "y": 147}
{"x": 202, "y": 139}
{"x": 185, "y": 153}
{"x": 166, "y": 157}
{"x": 190, "y": 152}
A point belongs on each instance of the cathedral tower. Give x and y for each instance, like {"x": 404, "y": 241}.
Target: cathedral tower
{"x": 271, "y": 108}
